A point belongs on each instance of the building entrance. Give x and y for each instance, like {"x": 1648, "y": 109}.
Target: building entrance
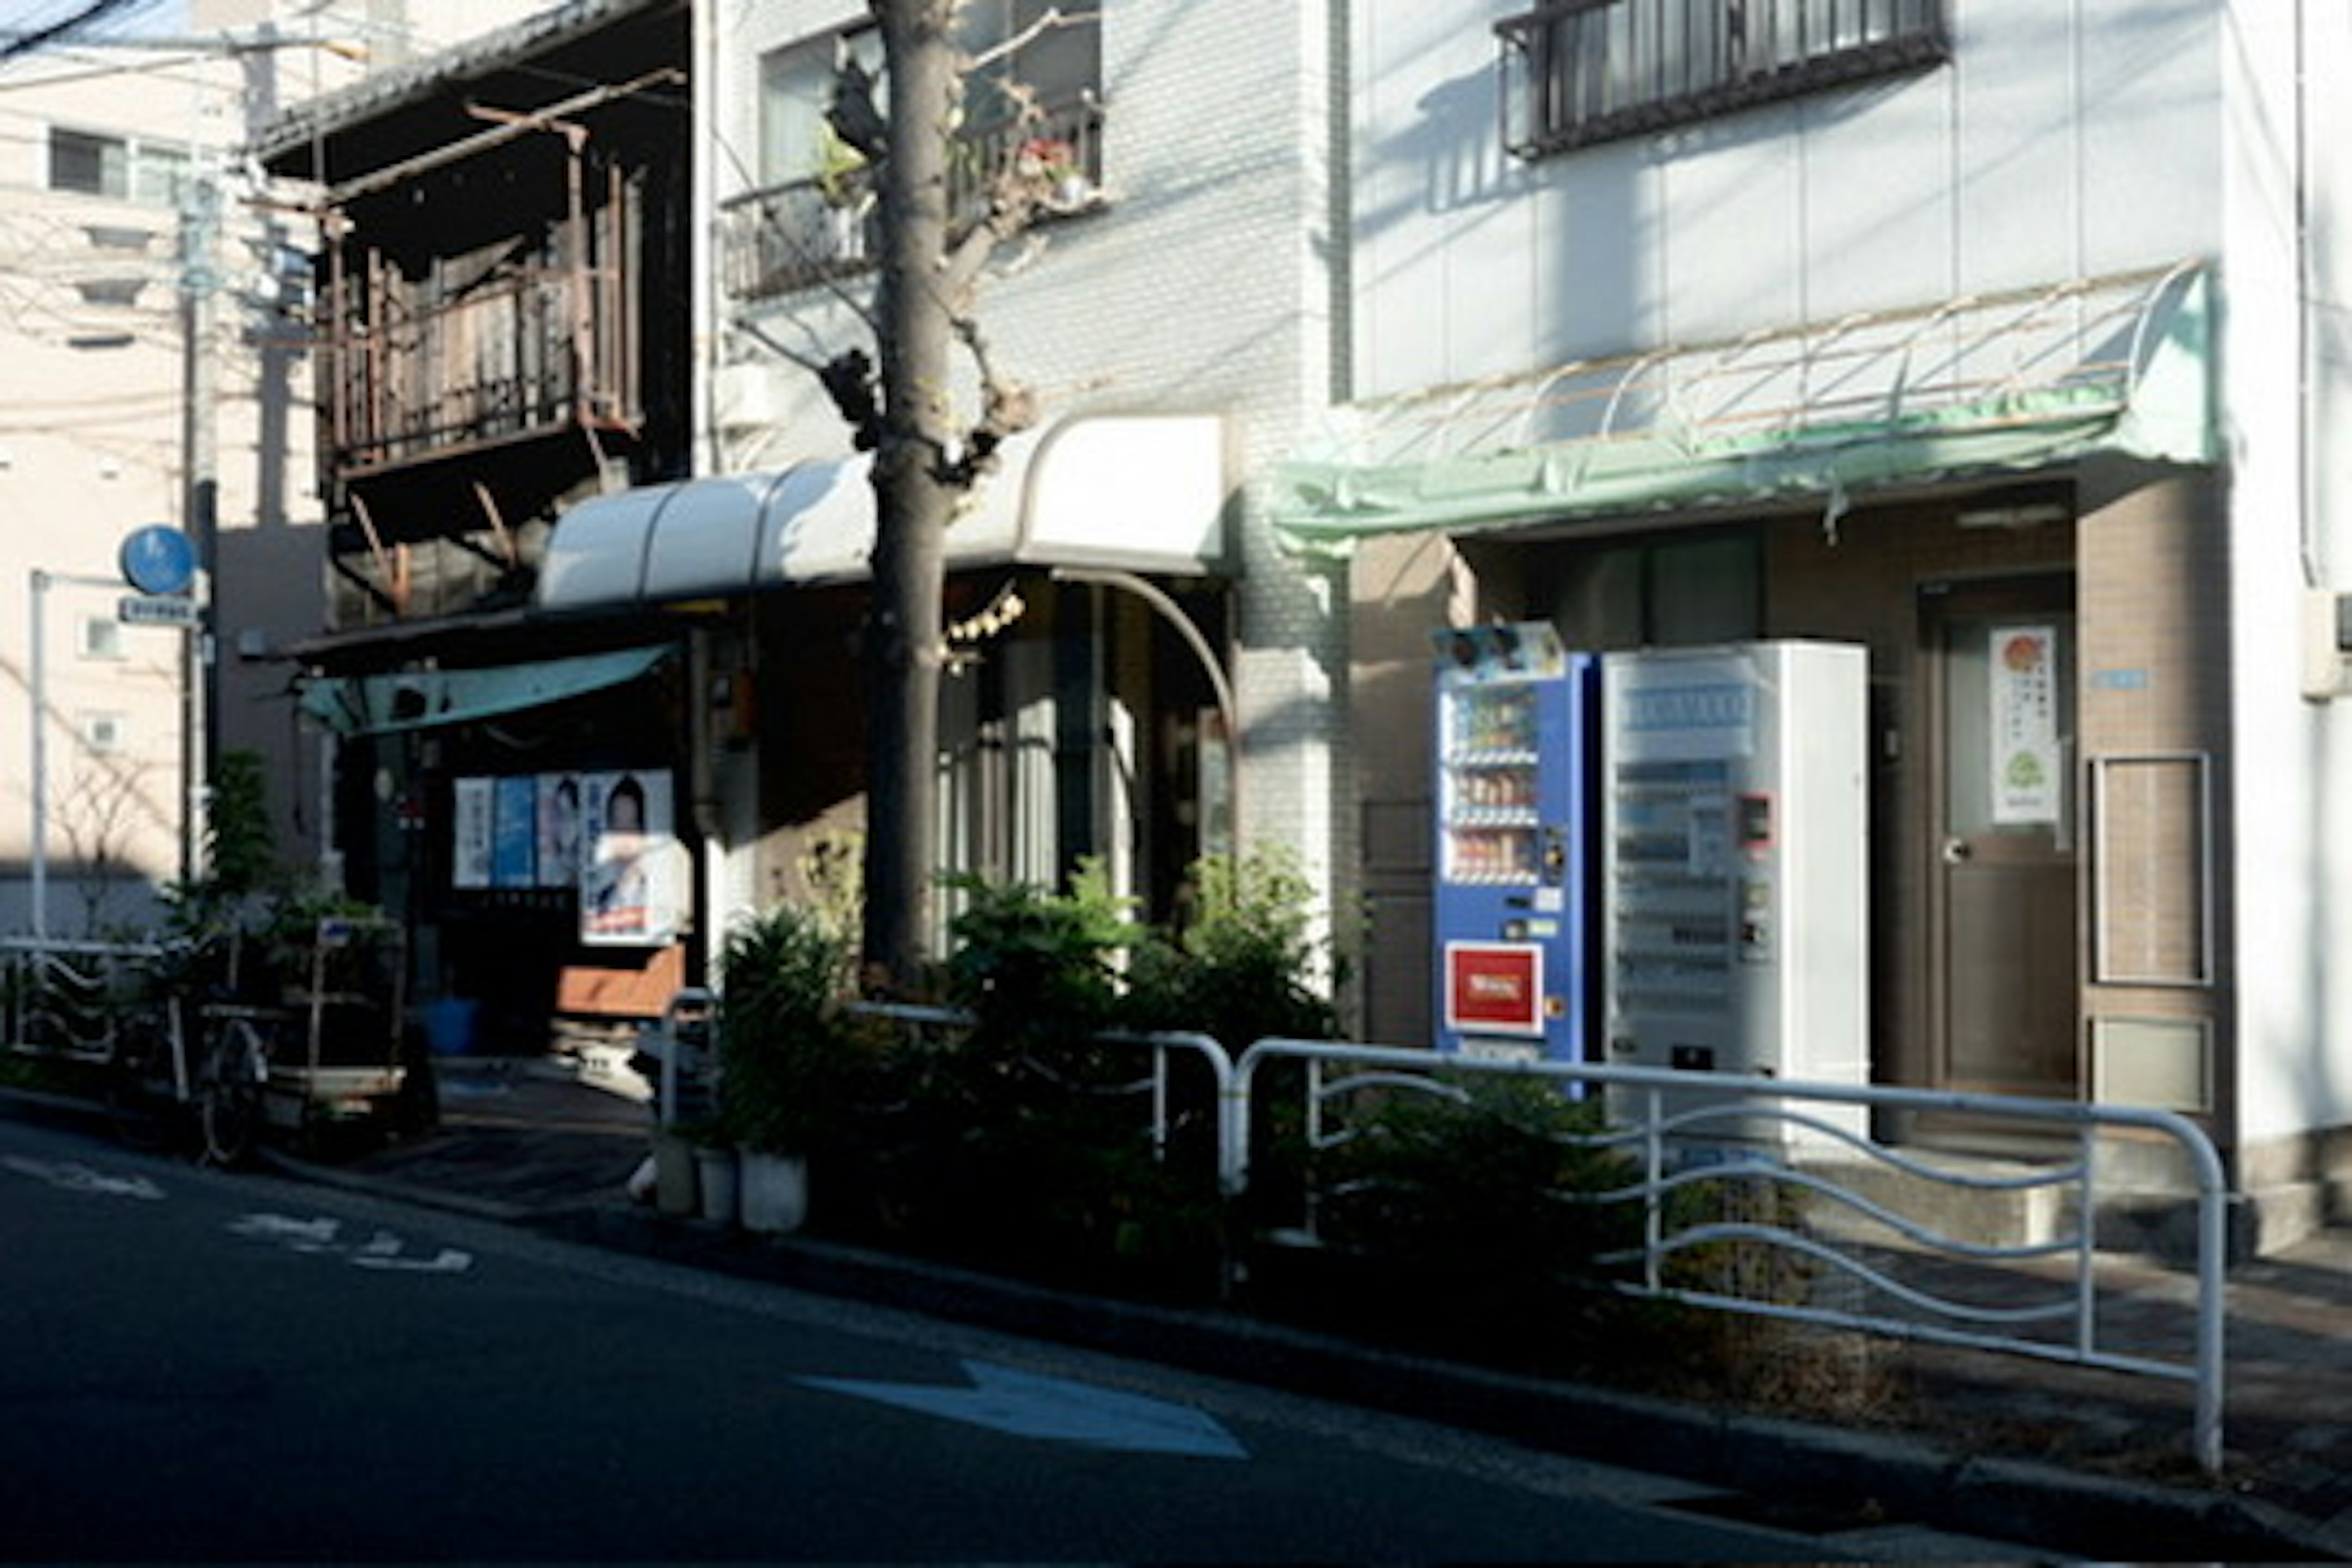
{"x": 1999, "y": 659}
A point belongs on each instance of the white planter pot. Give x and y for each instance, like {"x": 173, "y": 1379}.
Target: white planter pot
{"x": 715, "y": 1173}
{"x": 772, "y": 1192}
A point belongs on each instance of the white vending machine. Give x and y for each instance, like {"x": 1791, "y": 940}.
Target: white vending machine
{"x": 1734, "y": 841}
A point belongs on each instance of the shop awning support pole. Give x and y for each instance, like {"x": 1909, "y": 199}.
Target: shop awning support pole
{"x": 1168, "y": 610}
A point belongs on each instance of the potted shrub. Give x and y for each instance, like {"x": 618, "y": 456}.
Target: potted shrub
{"x": 780, "y": 1048}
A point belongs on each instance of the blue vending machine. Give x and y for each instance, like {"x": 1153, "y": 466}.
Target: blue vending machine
{"x": 1516, "y": 727}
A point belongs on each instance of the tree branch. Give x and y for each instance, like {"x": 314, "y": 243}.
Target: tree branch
{"x": 1007, "y": 408}
{"x": 760, "y": 334}
{"x": 1054, "y": 16}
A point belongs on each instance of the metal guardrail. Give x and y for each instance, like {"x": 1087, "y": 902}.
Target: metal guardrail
{"x": 61, "y": 996}
{"x": 1680, "y": 1129}
{"x": 1166, "y": 1047}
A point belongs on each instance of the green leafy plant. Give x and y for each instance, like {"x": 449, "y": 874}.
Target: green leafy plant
{"x": 1037, "y": 969}
{"x": 241, "y": 851}
{"x": 1244, "y": 967}
{"x": 1491, "y": 1172}
{"x": 1026, "y": 1147}
{"x": 782, "y": 1040}
{"x": 247, "y": 927}
{"x": 1477, "y": 1216}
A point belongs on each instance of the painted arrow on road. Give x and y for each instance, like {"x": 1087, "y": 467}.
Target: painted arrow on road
{"x": 69, "y": 1177}
{"x": 1055, "y": 1410}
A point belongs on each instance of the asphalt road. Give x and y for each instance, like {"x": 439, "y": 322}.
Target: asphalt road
{"x": 196, "y": 1365}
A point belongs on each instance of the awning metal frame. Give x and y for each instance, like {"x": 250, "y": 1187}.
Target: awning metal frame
{"x": 2078, "y": 362}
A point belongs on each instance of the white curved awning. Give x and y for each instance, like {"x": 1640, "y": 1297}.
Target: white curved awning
{"x": 1998, "y": 383}
{"x": 1142, "y": 492}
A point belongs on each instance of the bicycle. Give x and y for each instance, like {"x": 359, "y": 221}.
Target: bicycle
{"x": 145, "y": 1089}
{"x": 232, "y": 1081}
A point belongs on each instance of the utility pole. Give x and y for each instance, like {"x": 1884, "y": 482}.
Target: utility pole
{"x": 199, "y": 495}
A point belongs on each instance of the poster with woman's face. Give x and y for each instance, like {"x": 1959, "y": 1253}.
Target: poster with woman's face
{"x": 631, "y": 884}
{"x": 560, "y": 817}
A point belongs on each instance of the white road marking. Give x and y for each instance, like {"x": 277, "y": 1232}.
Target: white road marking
{"x": 381, "y": 1251}
{"x": 1056, "y": 1410}
{"x": 71, "y": 1177}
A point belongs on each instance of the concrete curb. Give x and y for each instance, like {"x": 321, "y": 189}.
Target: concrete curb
{"x": 1893, "y": 1474}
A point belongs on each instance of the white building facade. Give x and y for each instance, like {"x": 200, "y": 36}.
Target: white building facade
{"x": 127, "y": 269}
{"x": 153, "y": 374}
{"x": 1915, "y": 324}
{"x": 1175, "y": 318}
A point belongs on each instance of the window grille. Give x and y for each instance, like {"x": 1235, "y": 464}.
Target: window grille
{"x": 1575, "y": 72}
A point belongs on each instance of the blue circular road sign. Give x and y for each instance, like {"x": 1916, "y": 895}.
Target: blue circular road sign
{"x": 157, "y": 559}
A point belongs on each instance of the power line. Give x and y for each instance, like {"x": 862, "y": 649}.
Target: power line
{"x": 91, "y": 11}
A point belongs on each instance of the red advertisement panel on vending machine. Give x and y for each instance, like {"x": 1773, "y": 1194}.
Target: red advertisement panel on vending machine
{"x": 1494, "y": 987}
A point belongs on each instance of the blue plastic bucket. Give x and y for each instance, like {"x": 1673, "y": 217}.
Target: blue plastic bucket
{"x": 451, "y": 1024}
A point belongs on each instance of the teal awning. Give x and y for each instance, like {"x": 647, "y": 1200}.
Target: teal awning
{"x": 418, "y": 699}
{"x": 1993, "y": 385}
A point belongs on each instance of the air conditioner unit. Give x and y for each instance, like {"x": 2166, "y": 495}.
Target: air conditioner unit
{"x": 2326, "y": 645}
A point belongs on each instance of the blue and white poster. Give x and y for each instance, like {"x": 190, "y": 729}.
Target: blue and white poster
{"x": 472, "y": 803}
{"x": 514, "y": 830}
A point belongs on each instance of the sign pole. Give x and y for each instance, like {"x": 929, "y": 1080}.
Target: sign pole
{"x": 36, "y": 666}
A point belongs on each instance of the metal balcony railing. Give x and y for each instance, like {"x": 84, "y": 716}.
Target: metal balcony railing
{"x": 420, "y": 361}
{"x": 798, "y": 234}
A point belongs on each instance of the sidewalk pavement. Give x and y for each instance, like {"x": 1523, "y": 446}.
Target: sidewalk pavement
{"x": 2089, "y": 1461}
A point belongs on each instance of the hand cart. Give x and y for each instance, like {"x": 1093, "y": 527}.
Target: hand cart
{"x": 325, "y": 1051}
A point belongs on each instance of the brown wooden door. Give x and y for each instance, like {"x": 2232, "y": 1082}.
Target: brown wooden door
{"x": 2000, "y": 663}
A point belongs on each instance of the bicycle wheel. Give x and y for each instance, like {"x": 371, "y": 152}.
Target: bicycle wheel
{"x": 229, "y": 1083}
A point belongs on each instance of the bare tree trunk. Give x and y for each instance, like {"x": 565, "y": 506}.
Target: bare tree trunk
{"x": 914, "y": 495}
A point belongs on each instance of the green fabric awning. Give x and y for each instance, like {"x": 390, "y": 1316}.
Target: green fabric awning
{"x": 418, "y": 699}
{"x": 2000, "y": 385}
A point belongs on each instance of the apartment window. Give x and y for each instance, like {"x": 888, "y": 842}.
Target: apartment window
{"x": 101, "y": 637}
{"x": 1575, "y": 72}
{"x": 1032, "y": 95}
{"x": 1024, "y": 49}
{"x": 95, "y": 166}
{"x": 159, "y": 175}
{"x": 102, "y": 733}
{"x": 90, "y": 165}
{"x": 795, "y": 89}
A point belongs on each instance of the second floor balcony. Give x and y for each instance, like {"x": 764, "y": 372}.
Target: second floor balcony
{"x": 797, "y": 233}
{"x": 415, "y": 369}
